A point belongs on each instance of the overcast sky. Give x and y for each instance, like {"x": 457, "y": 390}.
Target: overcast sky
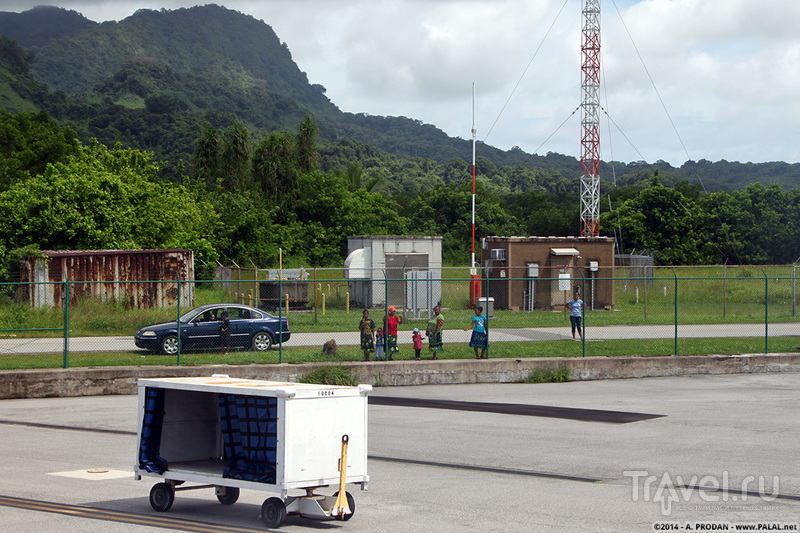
{"x": 681, "y": 79}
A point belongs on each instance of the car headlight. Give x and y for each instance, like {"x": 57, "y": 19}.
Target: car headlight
{"x": 148, "y": 333}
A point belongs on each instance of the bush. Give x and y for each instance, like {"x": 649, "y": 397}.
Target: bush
{"x": 331, "y": 375}
{"x": 549, "y": 375}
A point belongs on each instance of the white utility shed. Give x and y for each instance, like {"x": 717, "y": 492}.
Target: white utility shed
{"x": 406, "y": 269}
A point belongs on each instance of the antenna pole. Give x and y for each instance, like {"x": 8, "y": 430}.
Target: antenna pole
{"x": 473, "y": 265}
{"x": 590, "y": 140}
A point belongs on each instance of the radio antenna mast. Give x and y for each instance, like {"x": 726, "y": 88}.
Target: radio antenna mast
{"x": 590, "y": 139}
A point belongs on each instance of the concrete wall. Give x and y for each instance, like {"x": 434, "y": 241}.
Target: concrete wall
{"x": 122, "y": 380}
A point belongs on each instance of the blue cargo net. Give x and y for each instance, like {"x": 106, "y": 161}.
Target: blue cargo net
{"x": 150, "y": 444}
{"x": 250, "y": 436}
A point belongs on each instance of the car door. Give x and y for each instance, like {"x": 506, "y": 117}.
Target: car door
{"x": 241, "y": 325}
{"x": 203, "y": 331}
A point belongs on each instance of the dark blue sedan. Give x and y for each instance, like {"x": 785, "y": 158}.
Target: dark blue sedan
{"x": 199, "y": 330}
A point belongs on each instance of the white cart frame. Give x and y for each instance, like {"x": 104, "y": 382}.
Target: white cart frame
{"x": 311, "y": 424}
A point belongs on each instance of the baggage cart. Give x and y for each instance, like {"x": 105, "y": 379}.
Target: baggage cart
{"x": 230, "y": 434}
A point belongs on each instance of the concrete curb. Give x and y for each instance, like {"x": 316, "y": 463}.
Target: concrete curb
{"x": 49, "y": 383}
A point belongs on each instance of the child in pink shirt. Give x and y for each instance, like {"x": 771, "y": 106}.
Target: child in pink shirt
{"x": 417, "y": 340}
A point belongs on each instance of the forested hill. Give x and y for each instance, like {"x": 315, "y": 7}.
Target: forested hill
{"x": 37, "y": 26}
{"x": 155, "y": 79}
{"x": 208, "y": 39}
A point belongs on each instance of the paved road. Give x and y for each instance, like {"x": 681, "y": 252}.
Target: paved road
{"x": 123, "y": 343}
{"x": 67, "y": 463}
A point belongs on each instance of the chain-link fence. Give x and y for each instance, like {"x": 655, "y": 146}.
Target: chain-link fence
{"x": 288, "y": 316}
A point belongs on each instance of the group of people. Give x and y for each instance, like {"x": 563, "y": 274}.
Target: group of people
{"x": 386, "y": 335}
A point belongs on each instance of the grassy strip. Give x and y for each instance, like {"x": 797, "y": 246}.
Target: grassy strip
{"x": 611, "y": 348}
{"x": 700, "y": 303}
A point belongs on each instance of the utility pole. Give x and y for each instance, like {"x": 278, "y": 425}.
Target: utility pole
{"x": 590, "y": 123}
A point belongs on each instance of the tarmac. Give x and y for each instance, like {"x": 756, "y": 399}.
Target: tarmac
{"x": 590, "y": 456}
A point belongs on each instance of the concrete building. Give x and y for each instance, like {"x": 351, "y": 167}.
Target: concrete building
{"x": 404, "y": 270}
{"x": 528, "y": 273}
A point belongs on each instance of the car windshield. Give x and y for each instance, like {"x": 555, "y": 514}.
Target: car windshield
{"x": 189, "y": 316}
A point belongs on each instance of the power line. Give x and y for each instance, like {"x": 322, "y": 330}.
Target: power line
{"x": 525, "y": 71}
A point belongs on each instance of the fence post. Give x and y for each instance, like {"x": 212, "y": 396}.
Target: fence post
{"x": 794, "y": 286}
{"x": 675, "y": 274}
{"x": 315, "y": 296}
{"x": 766, "y": 311}
{"x": 583, "y": 313}
{"x": 724, "y": 291}
{"x": 280, "y": 317}
{"x": 386, "y": 315}
{"x": 66, "y": 324}
{"x": 178, "y": 320}
{"x": 486, "y": 326}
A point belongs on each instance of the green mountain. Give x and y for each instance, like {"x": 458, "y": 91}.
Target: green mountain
{"x": 37, "y": 26}
{"x": 18, "y": 90}
{"x": 208, "y": 40}
{"x": 155, "y": 79}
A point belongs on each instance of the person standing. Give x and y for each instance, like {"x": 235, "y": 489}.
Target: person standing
{"x": 367, "y": 328}
{"x": 479, "y": 339}
{"x": 576, "y": 315}
{"x": 380, "y": 340}
{"x": 390, "y": 324}
{"x": 434, "y": 331}
{"x": 417, "y": 339}
{"x": 225, "y": 333}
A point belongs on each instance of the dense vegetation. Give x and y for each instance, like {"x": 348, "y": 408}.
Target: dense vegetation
{"x": 140, "y": 134}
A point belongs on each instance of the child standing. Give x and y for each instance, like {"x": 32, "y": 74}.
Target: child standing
{"x": 417, "y": 339}
{"x": 367, "y": 328}
{"x": 379, "y": 341}
{"x": 478, "y": 340}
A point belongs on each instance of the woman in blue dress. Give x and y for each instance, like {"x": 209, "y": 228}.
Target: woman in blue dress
{"x": 479, "y": 339}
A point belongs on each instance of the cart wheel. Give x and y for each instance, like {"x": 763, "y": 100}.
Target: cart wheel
{"x": 230, "y": 496}
{"x": 351, "y": 503}
{"x": 273, "y": 512}
{"x": 162, "y": 496}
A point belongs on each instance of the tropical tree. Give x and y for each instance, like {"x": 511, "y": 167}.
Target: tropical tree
{"x": 104, "y": 198}
{"x": 28, "y": 143}
{"x": 665, "y": 222}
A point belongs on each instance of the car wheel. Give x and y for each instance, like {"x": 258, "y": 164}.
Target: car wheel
{"x": 169, "y": 345}
{"x": 262, "y": 341}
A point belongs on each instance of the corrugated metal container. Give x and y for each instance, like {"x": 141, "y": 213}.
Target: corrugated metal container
{"x": 139, "y": 278}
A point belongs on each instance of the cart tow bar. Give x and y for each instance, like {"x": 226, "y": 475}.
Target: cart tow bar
{"x": 341, "y": 508}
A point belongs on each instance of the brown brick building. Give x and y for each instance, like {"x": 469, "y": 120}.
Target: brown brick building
{"x": 527, "y": 273}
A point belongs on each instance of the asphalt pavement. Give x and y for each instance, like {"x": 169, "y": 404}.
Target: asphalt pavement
{"x": 595, "y": 456}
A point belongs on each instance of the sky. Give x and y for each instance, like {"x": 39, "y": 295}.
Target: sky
{"x": 680, "y": 79}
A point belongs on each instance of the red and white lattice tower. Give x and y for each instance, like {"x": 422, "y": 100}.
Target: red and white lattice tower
{"x": 590, "y": 138}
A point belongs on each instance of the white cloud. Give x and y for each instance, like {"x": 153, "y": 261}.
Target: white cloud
{"x": 727, "y": 72}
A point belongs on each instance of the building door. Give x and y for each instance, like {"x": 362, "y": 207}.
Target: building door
{"x": 396, "y": 267}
